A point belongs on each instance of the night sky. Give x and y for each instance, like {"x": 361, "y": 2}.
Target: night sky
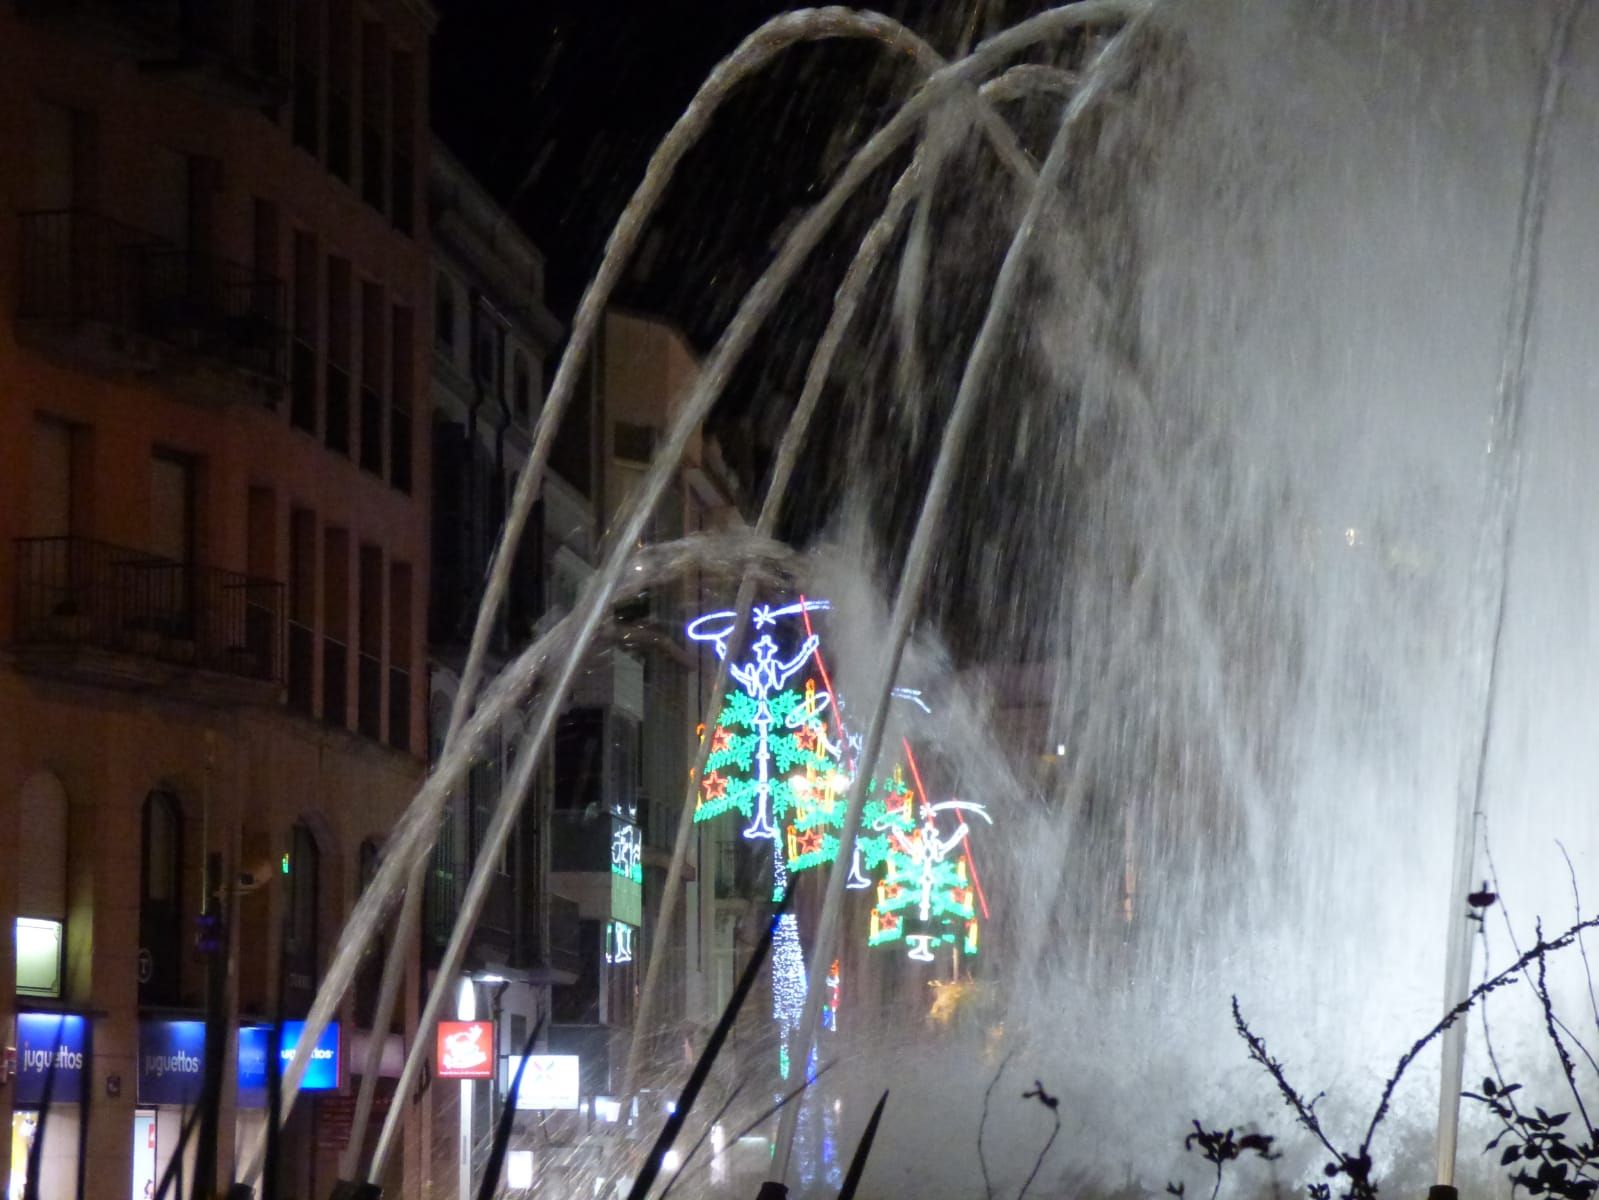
{"x": 557, "y": 104}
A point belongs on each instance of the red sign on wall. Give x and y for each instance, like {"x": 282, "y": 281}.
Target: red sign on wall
{"x": 465, "y": 1050}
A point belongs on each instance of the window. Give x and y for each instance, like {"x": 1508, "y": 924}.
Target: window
{"x": 401, "y": 382}
{"x": 172, "y": 506}
{"x": 307, "y": 334}
{"x": 579, "y": 765}
{"x": 303, "y": 866}
{"x": 160, "y": 900}
{"x": 341, "y": 66}
{"x": 60, "y": 144}
{"x": 402, "y": 131}
{"x": 484, "y": 367}
{"x": 522, "y": 391}
{"x": 41, "y": 885}
{"x": 307, "y": 74}
{"x": 374, "y": 115}
{"x": 400, "y": 655}
{"x": 369, "y": 977}
{"x": 336, "y": 627}
{"x": 50, "y": 498}
{"x": 372, "y": 389}
{"x": 369, "y": 700}
{"x": 340, "y": 298}
{"x": 633, "y": 443}
{"x": 163, "y": 601}
{"x": 444, "y": 315}
{"x": 302, "y": 608}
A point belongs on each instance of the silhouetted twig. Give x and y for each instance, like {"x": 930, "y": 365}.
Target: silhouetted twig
{"x": 702, "y": 1068}
{"x": 502, "y": 1133}
{"x": 982, "y": 1124}
{"x": 1053, "y": 1104}
{"x": 857, "y": 1164}
{"x": 700, "y": 1141}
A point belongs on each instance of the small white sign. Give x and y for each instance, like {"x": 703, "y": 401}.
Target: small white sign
{"x": 519, "y": 1170}
{"x": 550, "y": 1081}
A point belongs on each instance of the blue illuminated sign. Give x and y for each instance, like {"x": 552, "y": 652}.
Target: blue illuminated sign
{"x": 171, "y": 1062}
{"x": 50, "y": 1046}
{"x": 321, "y": 1073}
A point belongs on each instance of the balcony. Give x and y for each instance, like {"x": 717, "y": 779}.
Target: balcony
{"x": 112, "y": 297}
{"x": 110, "y": 615}
{"x": 232, "y": 50}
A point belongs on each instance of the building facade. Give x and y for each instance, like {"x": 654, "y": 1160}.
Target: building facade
{"x": 214, "y": 322}
{"x": 493, "y": 337}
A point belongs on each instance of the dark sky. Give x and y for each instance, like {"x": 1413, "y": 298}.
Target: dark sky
{"x": 557, "y": 105}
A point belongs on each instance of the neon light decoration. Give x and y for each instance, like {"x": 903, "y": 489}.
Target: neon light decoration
{"x": 928, "y": 895}
{"x": 769, "y": 745}
{"x": 627, "y": 851}
{"x": 782, "y": 756}
{"x": 618, "y": 942}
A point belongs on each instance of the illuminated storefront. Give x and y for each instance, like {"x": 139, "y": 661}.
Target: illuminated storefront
{"x": 52, "y": 1064}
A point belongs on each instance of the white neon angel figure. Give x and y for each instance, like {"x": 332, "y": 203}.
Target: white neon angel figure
{"x": 928, "y": 849}
{"x": 760, "y": 679}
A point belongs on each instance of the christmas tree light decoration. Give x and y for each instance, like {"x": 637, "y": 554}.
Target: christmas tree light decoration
{"x": 926, "y": 896}
{"x": 771, "y": 732}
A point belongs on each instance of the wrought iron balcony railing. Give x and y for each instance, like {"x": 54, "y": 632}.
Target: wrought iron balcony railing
{"x": 233, "y": 50}
{"x": 75, "y": 592}
{"x": 79, "y": 267}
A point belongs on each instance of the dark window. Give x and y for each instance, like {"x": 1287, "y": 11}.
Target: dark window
{"x": 374, "y": 117}
{"x": 341, "y": 98}
{"x": 340, "y": 299}
{"x": 580, "y": 760}
{"x": 522, "y": 386}
{"x": 400, "y": 655}
{"x": 401, "y": 382}
{"x": 302, "y": 926}
{"x": 307, "y": 74}
{"x": 302, "y": 608}
{"x": 160, "y": 900}
{"x": 369, "y": 977}
{"x": 447, "y": 595}
{"x": 372, "y": 381}
{"x": 634, "y": 443}
{"x": 402, "y": 132}
{"x": 307, "y": 335}
{"x": 444, "y": 314}
{"x": 369, "y": 671}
